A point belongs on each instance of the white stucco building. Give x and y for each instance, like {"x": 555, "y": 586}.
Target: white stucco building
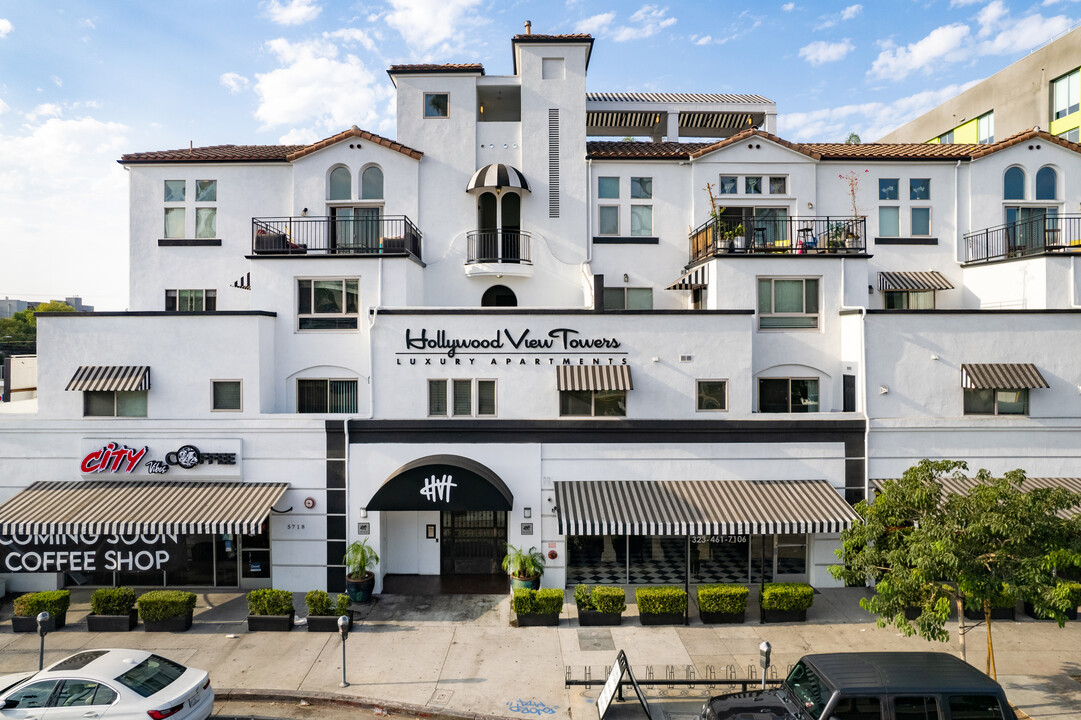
{"x": 655, "y": 361}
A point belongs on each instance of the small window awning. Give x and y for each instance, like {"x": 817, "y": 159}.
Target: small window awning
{"x": 593, "y": 377}
{"x": 139, "y": 507}
{"x": 695, "y": 279}
{"x": 125, "y": 378}
{"x": 700, "y": 507}
{"x": 1001, "y": 376}
{"x": 497, "y": 176}
{"x": 931, "y": 280}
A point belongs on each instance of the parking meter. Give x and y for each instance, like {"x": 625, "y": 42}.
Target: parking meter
{"x": 43, "y": 630}
{"x": 343, "y": 627}
{"x": 763, "y": 659}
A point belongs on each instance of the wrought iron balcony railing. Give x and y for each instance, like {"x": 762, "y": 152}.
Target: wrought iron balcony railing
{"x": 497, "y": 246}
{"x": 380, "y": 235}
{"x": 789, "y": 236}
{"x": 1035, "y": 235}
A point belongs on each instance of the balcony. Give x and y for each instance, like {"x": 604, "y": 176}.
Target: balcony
{"x": 382, "y": 235}
{"x": 779, "y": 236}
{"x": 498, "y": 252}
{"x": 1036, "y": 235}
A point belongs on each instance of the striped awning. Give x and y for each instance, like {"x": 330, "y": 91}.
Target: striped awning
{"x": 126, "y": 378}
{"x": 594, "y": 377}
{"x": 930, "y": 280}
{"x": 139, "y": 506}
{"x": 694, "y": 279}
{"x": 497, "y": 176}
{"x": 1001, "y": 376}
{"x": 700, "y": 507}
{"x": 961, "y": 486}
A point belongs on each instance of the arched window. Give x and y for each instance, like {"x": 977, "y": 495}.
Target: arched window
{"x": 371, "y": 184}
{"x": 499, "y": 296}
{"x": 486, "y": 212}
{"x": 1013, "y": 184}
{"x": 1047, "y": 184}
{"x": 340, "y": 184}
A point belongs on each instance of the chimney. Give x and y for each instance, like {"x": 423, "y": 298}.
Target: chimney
{"x": 528, "y": 27}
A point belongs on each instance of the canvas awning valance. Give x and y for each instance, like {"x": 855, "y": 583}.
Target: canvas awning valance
{"x": 442, "y": 482}
{"x": 593, "y": 377}
{"x": 1001, "y": 376}
{"x": 124, "y": 378}
{"x": 497, "y": 176}
{"x": 694, "y": 279}
{"x": 930, "y": 280}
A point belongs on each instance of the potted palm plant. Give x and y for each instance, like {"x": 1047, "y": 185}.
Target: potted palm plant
{"x": 322, "y": 613}
{"x": 525, "y": 567}
{"x": 360, "y": 559}
{"x": 27, "y": 607}
{"x": 112, "y": 610}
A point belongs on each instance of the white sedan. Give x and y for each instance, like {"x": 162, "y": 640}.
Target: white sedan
{"x": 112, "y": 684}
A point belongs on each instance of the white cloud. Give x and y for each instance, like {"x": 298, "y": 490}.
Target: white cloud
{"x": 827, "y": 21}
{"x": 45, "y": 110}
{"x": 851, "y": 11}
{"x": 233, "y": 82}
{"x": 962, "y": 3}
{"x": 647, "y": 21}
{"x": 88, "y": 23}
{"x": 4, "y": 107}
{"x": 56, "y": 81}
{"x": 426, "y": 24}
{"x": 704, "y": 40}
{"x": 1023, "y": 34}
{"x": 293, "y": 12}
{"x": 899, "y": 63}
{"x": 820, "y": 52}
{"x": 788, "y": 7}
{"x": 595, "y": 24}
{"x": 5, "y": 27}
{"x": 989, "y": 17}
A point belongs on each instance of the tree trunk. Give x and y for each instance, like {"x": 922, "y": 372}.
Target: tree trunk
{"x": 961, "y": 625}
{"x": 990, "y": 646}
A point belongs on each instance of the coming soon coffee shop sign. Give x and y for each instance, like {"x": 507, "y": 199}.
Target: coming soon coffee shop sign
{"x": 510, "y": 346}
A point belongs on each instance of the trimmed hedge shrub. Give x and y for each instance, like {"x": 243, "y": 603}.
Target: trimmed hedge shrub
{"x": 318, "y": 603}
{"x": 54, "y": 602}
{"x": 1074, "y": 589}
{"x": 112, "y": 601}
{"x": 661, "y": 600}
{"x": 600, "y": 598}
{"x": 787, "y": 596}
{"x": 530, "y": 602}
{"x": 723, "y": 598}
{"x": 268, "y": 601}
{"x": 164, "y": 604}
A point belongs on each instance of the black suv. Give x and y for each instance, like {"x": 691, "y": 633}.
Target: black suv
{"x": 871, "y": 686}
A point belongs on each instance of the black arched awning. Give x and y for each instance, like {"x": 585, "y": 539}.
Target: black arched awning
{"x": 497, "y": 176}
{"x": 442, "y": 482}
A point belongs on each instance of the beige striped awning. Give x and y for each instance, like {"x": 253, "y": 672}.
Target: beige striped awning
{"x": 931, "y": 280}
{"x": 593, "y": 377}
{"x": 125, "y": 378}
{"x": 1001, "y": 376}
{"x": 695, "y": 279}
{"x": 700, "y": 507}
{"x": 130, "y": 507}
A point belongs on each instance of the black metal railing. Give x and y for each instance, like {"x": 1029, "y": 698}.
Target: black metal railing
{"x": 790, "y": 236}
{"x": 380, "y": 235}
{"x": 1033, "y": 236}
{"x": 497, "y": 246}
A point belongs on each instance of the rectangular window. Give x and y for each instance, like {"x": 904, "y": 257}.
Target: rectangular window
{"x": 919, "y": 189}
{"x": 608, "y": 188}
{"x": 328, "y": 304}
{"x": 1066, "y": 95}
{"x": 436, "y": 105}
{"x": 921, "y": 221}
{"x": 976, "y": 707}
{"x": 114, "y": 403}
{"x": 617, "y": 298}
{"x": 712, "y": 395}
{"x": 175, "y": 190}
{"x": 486, "y": 397}
{"x": 206, "y": 222}
{"x": 326, "y": 396}
{"x": 985, "y": 128}
{"x": 946, "y": 138}
{"x": 752, "y": 185}
{"x": 437, "y": 398}
{"x": 887, "y": 188}
{"x": 889, "y": 221}
{"x": 191, "y": 300}
{"x": 206, "y": 191}
{"x": 729, "y": 185}
{"x": 592, "y": 403}
{"x": 225, "y": 395}
{"x": 1071, "y": 135}
{"x": 174, "y": 222}
{"x": 782, "y": 395}
{"x": 788, "y": 303}
{"x": 468, "y": 398}
{"x": 608, "y": 220}
{"x": 553, "y": 69}
{"x": 641, "y": 220}
{"x": 909, "y": 299}
{"x": 641, "y": 188}
{"x": 778, "y": 185}
{"x": 915, "y": 708}
{"x": 996, "y": 402}
{"x": 463, "y": 398}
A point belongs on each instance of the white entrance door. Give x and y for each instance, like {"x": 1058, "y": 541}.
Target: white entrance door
{"x": 403, "y": 532}
{"x": 428, "y": 542}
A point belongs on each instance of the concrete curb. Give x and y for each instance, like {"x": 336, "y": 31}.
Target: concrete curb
{"x": 338, "y": 700}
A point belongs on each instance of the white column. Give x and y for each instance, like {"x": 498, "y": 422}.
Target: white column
{"x": 673, "y": 127}
{"x": 770, "y": 125}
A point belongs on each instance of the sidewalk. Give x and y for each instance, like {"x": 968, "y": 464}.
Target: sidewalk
{"x": 459, "y": 656}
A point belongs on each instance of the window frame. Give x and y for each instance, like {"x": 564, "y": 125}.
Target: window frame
{"x": 184, "y": 191}
{"x": 642, "y": 232}
{"x": 172, "y": 299}
{"x": 1027, "y": 402}
{"x": 789, "y": 395}
{"x": 889, "y": 193}
{"x": 211, "y": 200}
{"x": 601, "y": 195}
{"x": 1072, "y": 84}
{"x": 474, "y": 397}
{"x": 784, "y": 182}
{"x": 593, "y": 404}
{"x": 372, "y": 201}
{"x": 115, "y": 396}
{"x": 425, "y": 105}
{"x": 752, "y": 180}
{"x": 634, "y": 184}
{"x": 202, "y": 211}
{"x": 985, "y": 122}
{"x": 240, "y": 394}
{"x": 912, "y": 221}
{"x": 600, "y": 230}
{"x": 624, "y": 292}
{"x": 698, "y": 395}
{"x": 735, "y": 184}
{"x": 817, "y": 315}
{"x": 328, "y": 381}
{"x": 182, "y": 232}
{"x": 345, "y": 314}
{"x": 907, "y": 294}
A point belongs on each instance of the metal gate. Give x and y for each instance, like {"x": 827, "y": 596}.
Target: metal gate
{"x": 473, "y": 541}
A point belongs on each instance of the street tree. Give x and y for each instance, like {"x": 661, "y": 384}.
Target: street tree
{"x": 18, "y": 333}
{"x": 998, "y": 543}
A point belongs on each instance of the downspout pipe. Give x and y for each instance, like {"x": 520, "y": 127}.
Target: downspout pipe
{"x": 862, "y": 309}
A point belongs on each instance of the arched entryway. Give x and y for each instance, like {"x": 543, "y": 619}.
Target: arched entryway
{"x": 499, "y": 296}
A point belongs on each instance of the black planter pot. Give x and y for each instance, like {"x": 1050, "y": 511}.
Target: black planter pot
{"x": 271, "y": 623}
{"x": 711, "y": 618}
{"x": 538, "y": 620}
{"x": 21, "y": 624}
{"x": 661, "y": 618}
{"x": 173, "y": 624}
{"x": 596, "y": 618}
{"x": 996, "y": 614}
{"x": 112, "y": 623}
{"x": 1031, "y": 612}
{"x": 360, "y": 591}
{"x": 911, "y": 613}
{"x": 778, "y": 616}
{"x": 325, "y": 623}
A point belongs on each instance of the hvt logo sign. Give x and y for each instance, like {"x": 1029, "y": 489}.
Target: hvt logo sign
{"x": 436, "y": 490}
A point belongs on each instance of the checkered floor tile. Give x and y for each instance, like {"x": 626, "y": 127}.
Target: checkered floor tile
{"x": 665, "y": 565}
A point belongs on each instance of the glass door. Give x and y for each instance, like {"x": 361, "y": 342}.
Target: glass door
{"x": 759, "y": 554}
{"x": 790, "y": 564}
{"x": 225, "y": 560}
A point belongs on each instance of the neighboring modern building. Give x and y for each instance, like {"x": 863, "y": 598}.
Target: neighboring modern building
{"x": 655, "y": 362}
{"x": 1042, "y": 90}
{"x": 9, "y": 307}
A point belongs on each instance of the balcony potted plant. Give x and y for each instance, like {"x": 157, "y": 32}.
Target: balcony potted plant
{"x": 323, "y": 614}
{"x": 270, "y": 610}
{"x": 786, "y": 602}
{"x": 661, "y": 605}
{"x": 525, "y": 567}
{"x": 535, "y": 608}
{"x": 1073, "y": 593}
{"x": 166, "y": 610}
{"x": 112, "y": 610}
{"x": 360, "y": 559}
{"x": 27, "y": 607}
{"x": 599, "y": 605}
{"x": 722, "y": 603}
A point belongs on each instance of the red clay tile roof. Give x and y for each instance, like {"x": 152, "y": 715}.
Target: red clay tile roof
{"x": 357, "y": 133}
{"x": 426, "y": 68}
{"x": 577, "y": 37}
{"x": 1025, "y": 136}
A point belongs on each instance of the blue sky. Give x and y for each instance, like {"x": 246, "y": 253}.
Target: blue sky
{"x": 83, "y": 82}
